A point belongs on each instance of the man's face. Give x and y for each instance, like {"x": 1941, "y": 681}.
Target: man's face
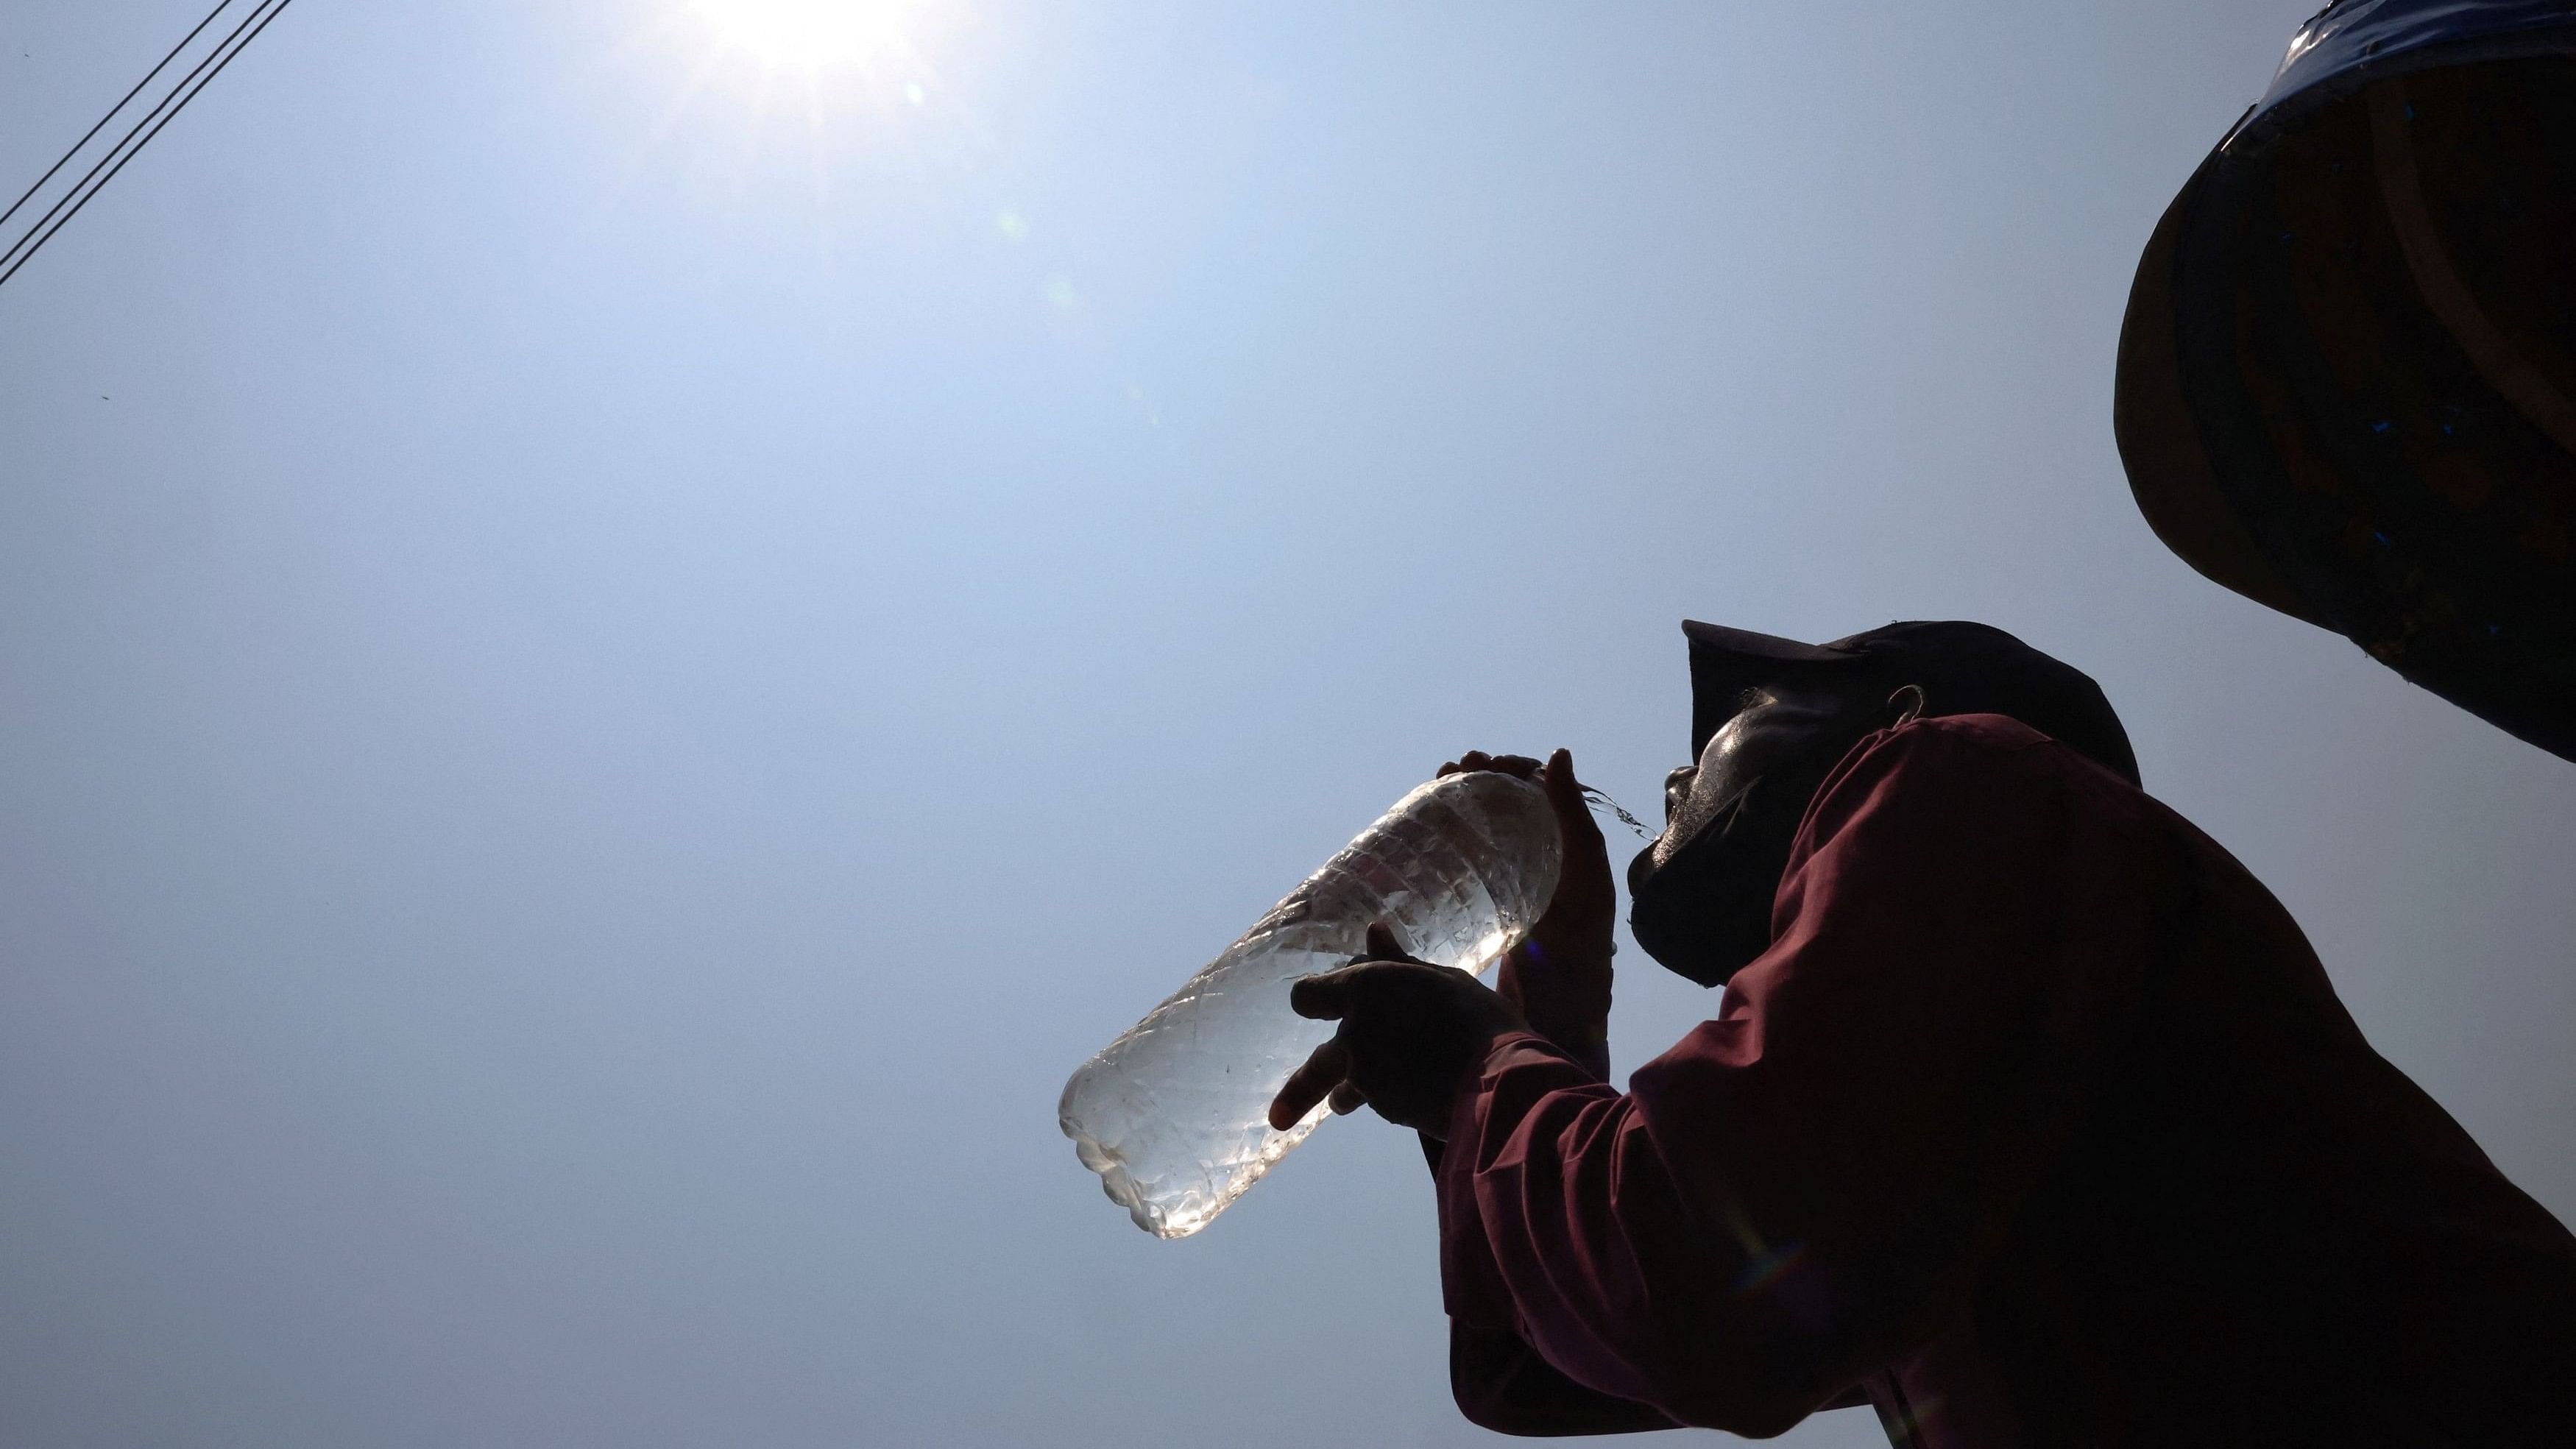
{"x": 1701, "y": 892}
{"x": 1775, "y": 726}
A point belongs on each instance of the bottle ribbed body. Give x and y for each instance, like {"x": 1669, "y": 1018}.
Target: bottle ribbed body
{"x": 1173, "y": 1114}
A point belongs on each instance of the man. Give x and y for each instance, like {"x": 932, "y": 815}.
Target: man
{"x": 2027, "y": 1112}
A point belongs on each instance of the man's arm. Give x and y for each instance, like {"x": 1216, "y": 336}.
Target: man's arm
{"x": 1559, "y": 978}
{"x": 1502, "y": 1384}
{"x": 1804, "y": 1188}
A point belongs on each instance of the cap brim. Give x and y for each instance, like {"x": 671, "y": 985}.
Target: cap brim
{"x": 1725, "y": 662}
{"x": 1744, "y": 643}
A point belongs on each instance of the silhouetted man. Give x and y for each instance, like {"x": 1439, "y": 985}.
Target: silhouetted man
{"x": 2027, "y": 1112}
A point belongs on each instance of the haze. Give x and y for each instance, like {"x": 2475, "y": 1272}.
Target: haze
{"x": 613, "y": 660}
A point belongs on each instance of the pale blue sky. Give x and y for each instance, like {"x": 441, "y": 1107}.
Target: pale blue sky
{"x": 611, "y": 664}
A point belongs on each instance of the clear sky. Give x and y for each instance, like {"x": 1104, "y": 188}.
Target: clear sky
{"x": 615, "y": 657}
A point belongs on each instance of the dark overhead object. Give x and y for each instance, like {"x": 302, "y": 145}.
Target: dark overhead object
{"x": 2347, "y": 380}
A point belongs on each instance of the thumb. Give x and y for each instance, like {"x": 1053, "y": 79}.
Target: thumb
{"x": 1573, "y": 811}
{"x": 1559, "y": 779}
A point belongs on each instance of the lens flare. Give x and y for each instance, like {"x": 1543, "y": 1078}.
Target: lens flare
{"x": 809, "y": 33}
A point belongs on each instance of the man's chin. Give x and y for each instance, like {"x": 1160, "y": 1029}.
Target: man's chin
{"x": 1702, "y": 912}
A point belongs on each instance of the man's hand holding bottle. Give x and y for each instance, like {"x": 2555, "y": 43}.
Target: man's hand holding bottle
{"x": 1410, "y": 1030}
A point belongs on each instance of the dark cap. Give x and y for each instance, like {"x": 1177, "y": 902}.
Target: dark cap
{"x": 1963, "y": 668}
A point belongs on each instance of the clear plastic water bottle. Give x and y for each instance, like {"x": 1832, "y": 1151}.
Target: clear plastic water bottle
{"x": 1173, "y": 1114}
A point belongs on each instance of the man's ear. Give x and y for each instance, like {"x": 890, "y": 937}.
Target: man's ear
{"x": 1905, "y": 706}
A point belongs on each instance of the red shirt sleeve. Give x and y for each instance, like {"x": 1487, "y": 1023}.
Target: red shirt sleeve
{"x": 1803, "y": 1189}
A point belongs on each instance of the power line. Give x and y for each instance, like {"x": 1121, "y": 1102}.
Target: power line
{"x": 190, "y": 85}
{"x": 34, "y": 239}
{"x": 220, "y": 7}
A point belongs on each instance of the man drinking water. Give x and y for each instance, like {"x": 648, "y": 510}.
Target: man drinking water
{"x": 2027, "y": 1113}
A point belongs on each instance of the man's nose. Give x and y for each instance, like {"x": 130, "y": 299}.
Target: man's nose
{"x": 1676, "y": 789}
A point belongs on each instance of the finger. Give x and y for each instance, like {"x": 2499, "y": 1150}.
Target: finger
{"x": 1309, "y": 1084}
{"x": 1573, "y": 811}
{"x": 1347, "y": 1099}
{"x": 1519, "y": 767}
{"x": 1563, "y": 790}
{"x": 1385, "y": 945}
{"x": 1321, "y": 997}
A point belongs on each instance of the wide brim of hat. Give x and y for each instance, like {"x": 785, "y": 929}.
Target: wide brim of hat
{"x": 2169, "y": 473}
{"x": 2345, "y": 385}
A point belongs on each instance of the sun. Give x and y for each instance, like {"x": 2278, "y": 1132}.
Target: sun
{"x": 809, "y": 33}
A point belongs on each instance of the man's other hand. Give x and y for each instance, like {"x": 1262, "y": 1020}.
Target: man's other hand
{"x": 1409, "y": 1032}
{"x": 1558, "y": 977}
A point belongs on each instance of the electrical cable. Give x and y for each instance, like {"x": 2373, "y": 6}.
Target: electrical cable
{"x": 258, "y": 20}
{"x": 220, "y": 7}
{"x": 82, "y": 190}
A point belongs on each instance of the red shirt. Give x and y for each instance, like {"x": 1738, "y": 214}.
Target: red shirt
{"x": 2039, "y": 1123}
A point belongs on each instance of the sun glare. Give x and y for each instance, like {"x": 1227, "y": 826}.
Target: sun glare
{"x": 810, "y": 33}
